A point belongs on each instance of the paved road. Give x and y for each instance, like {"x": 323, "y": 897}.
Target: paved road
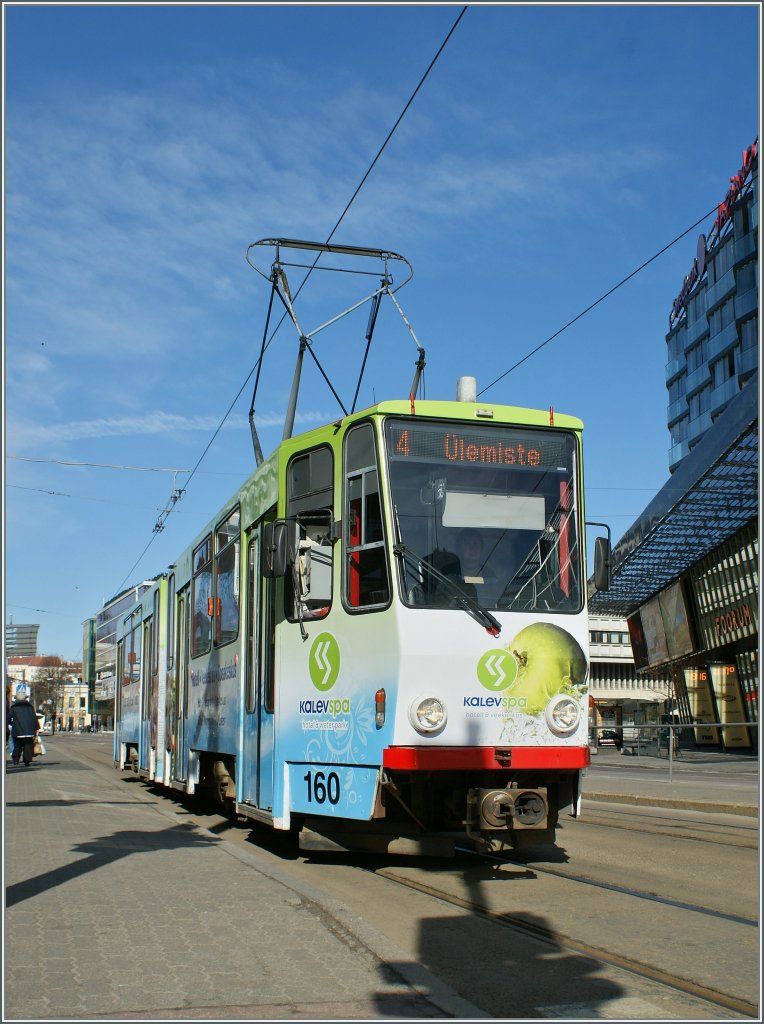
{"x": 202, "y": 928}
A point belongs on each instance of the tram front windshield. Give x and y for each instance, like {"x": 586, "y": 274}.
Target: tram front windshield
{"x": 487, "y": 511}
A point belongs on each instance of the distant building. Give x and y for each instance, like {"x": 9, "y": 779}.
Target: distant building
{"x": 21, "y": 640}
{"x": 620, "y": 696}
{"x": 714, "y": 321}
{"x": 685, "y": 575}
{"x": 55, "y": 687}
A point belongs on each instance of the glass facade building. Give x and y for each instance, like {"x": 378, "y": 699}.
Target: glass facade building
{"x": 712, "y": 343}
{"x": 685, "y": 575}
{"x": 21, "y": 640}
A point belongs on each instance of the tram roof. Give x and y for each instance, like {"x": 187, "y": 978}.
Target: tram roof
{"x": 713, "y": 494}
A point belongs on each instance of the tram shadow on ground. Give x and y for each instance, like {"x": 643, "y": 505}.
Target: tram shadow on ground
{"x": 509, "y": 962}
{"x": 511, "y": 968}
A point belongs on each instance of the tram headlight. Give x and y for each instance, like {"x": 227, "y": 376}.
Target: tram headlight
{"x": 428, "y": 715}
{"x": 563, "y": 714}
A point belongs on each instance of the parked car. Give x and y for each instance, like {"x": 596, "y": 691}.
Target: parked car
{"x": 610, "y": 738}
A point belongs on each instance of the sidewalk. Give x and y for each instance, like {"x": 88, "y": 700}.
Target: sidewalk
{"x": 720, "y": 783}
{"x": 116, "y": 911}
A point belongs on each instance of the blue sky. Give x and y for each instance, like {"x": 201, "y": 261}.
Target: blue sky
{"x": 552, "y": 150}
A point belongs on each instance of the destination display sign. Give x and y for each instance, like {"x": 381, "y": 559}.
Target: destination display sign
{"x": 459, "y": 444}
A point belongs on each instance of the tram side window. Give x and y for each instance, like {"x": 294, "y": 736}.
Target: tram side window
{"x": 310, "y": 501}
{"x": 171, "y": 621}
{"x": 227, "y": 574}
{"x": 134, "y": 656}
{"x": 367, "y": 576}
{"x": 155, "y": 644}
{"x": 202, "y": 599}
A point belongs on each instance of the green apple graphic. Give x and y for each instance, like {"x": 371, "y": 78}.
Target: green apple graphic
{"x": 549, "y": 661}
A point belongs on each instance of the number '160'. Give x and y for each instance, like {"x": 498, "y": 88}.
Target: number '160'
{"x": 323, "y": 787}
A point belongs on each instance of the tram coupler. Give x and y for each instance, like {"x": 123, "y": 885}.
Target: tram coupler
{"x": 493, "y": 810}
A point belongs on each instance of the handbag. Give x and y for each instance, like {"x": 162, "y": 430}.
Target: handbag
{"x": 38, "y": 748}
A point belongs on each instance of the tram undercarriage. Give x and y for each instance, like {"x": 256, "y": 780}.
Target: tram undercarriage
{"x": 429, "y": 813}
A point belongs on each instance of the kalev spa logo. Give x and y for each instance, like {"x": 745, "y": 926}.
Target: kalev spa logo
{"x": 324, "y": 662}
{"x": 497, "y": 670}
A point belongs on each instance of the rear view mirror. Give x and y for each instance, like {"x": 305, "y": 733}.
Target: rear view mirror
{"x": 279, "y": 544}
{"x": 602, "y": 564}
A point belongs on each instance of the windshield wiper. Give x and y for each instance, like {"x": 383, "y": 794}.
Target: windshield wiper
{"x": 469, "y": 604}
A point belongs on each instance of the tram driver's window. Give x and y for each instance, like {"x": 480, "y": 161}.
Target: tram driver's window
{"x": 367, "y": 577}
{"x": 310, "y": 502}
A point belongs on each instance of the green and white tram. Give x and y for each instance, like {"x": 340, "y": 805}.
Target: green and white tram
{"x": 379, "y": 642}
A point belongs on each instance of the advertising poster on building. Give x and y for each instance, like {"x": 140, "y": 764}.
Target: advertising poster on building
{"x": 699, "y": 695}
{"x": 655, "y": 634}
{"x": 675, "y": 621}
{"x": 729, "y": 701}
{"x": 638, "y": 642}
{"x": 105, "y": 688}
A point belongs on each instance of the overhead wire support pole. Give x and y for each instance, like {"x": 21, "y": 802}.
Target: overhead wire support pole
{"x": 252, "y": 428}
{"x": 420, "y": 364}
{"x": 375, "y": 302}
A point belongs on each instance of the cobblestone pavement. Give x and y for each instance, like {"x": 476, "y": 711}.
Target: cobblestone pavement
{"x": 115, "y": 911}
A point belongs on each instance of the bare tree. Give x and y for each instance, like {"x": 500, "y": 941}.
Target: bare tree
{"x": 48, "y": 691}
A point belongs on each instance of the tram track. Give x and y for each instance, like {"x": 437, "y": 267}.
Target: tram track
{"x": 560, "y": 940}
{"x": 737, "y": 836}
{"x": 622, "y": 889}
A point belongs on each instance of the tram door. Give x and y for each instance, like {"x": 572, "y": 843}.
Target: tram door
{"x": 118, "y": 684}
{"x": 146, "y": 669}
{"x": 180, "y": 696}
{"x": 257, "y": 720}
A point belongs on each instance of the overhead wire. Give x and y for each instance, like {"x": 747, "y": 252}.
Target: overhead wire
{"x": 334, "y": 230}
{"x": 602, "y": 298}
{"x": 167, "y": 510}
{"x": 340, "y": 219}
{"x": 94, "y": 465}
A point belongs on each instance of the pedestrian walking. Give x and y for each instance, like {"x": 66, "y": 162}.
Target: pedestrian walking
{"x": 24, "y": 727}
{"x": 7, "y": 714}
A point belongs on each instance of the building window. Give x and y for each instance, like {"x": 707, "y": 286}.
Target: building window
{"x": 677, "y": 389}
{"x": 696, "y": 306}
{"x": 749, "y": 333}
{"x": 745, "y": 277}
{"x": 724, "y": 369}
{"x": 723, "y": 259}
{"x": 675, "y": 345}
{"x": 722, "y": 317}
{"x": 700, "y": 402}
{"x": 696, "y": 356}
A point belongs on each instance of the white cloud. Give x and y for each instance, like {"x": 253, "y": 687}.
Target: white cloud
{"x": 25, "y": 434}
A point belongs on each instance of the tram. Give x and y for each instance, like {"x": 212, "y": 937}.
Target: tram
{"x": 379, "y": 641}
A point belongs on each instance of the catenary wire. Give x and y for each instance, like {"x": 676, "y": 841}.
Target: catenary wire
{"x": 80, "y": 497}
{"x": 596, "y": 302}
{"x": 94, "y": 465}
{"x": 331, "y": 234}
{"x": 528, "y": 355}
